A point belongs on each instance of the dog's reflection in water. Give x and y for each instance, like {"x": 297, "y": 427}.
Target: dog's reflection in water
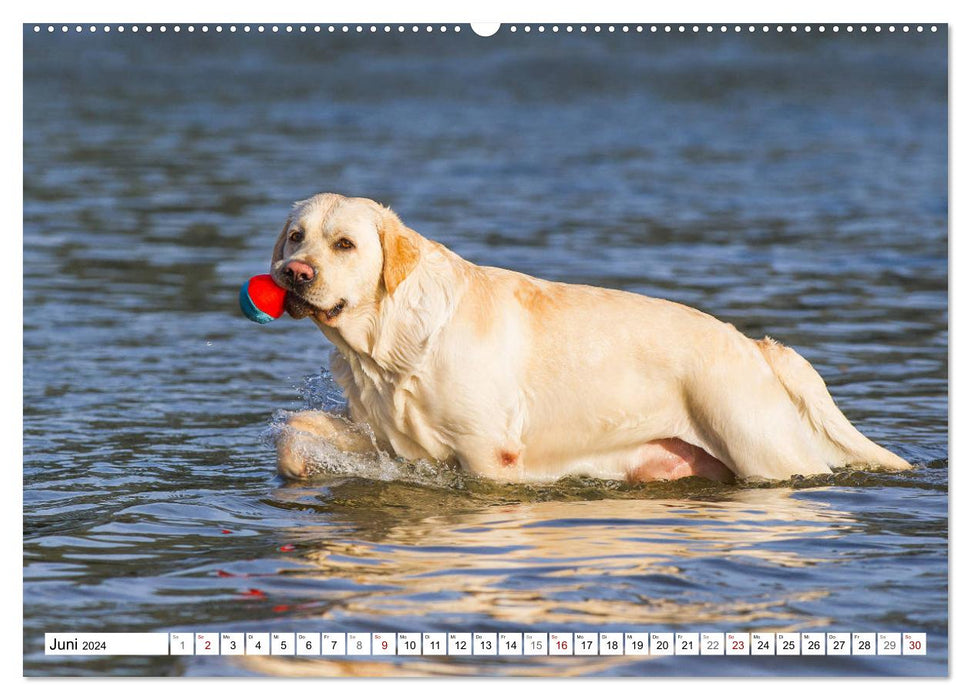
{"x": 656, "y": 565}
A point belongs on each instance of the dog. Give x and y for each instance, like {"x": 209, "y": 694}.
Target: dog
{"x": 520, "y": 379}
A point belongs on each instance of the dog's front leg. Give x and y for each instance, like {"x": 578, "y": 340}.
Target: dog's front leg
{"x": 303, "y": 432}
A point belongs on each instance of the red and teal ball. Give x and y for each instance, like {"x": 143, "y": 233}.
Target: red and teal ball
{"x": 261, "y": 299}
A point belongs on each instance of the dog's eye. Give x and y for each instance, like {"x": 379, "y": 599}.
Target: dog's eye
{"x": 344, "y": 244}
{"x": 296, "y": 236}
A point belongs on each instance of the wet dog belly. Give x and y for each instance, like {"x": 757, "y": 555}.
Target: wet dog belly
{"x": 670, "y": 458}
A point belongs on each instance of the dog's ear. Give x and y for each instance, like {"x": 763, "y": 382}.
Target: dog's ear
{"x": 281, "y": 241}
{"x": 399, "y": 245}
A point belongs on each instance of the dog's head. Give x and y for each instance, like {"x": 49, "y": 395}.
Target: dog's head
{"x": 338, "y": 257}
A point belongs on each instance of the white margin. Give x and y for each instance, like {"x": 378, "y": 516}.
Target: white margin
{"x": 602, "y": 11}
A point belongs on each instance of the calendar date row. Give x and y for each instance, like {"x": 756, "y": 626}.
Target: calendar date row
{"x": 489, "y": 644}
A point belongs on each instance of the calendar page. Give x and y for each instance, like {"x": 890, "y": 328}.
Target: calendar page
{"x": 582, "y": 349}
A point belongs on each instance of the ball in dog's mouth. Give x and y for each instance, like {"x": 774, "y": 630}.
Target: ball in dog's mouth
{"x": 298, "y": 307}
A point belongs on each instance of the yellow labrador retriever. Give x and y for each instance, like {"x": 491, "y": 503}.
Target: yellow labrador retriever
{"x": 519, "y": 379}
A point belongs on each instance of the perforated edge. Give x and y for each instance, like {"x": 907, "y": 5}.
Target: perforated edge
{"x": 457, "y": 28}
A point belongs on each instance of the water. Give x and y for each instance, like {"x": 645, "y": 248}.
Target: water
{"x": 793, "y": 186}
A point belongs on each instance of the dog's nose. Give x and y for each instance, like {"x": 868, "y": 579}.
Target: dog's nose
{"x": 299, "y": 272}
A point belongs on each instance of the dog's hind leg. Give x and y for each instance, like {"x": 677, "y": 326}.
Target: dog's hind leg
{"x": 296, "y": 441}
{"x": 740, "y": 414}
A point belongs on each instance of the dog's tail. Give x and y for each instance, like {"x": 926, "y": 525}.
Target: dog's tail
{"x": 841, "y": 443}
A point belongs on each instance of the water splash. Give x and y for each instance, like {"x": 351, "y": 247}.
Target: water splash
{"x": 321, "y": 393}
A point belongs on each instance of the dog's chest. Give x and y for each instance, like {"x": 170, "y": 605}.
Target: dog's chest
{"x": 393, "y": 405}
